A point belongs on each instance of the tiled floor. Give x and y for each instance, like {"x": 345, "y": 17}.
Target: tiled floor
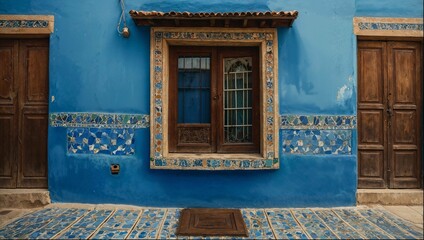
{"x": 148, "y": 223}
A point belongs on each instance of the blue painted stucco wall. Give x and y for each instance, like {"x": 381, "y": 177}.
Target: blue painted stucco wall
{"x": 93, "y": 69}
{"x": 389, "y": 8}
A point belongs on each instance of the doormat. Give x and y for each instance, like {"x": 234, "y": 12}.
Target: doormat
{"x": 211, "y": 222}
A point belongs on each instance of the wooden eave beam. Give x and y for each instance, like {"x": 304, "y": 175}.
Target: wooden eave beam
{"x": 267, "y": 21}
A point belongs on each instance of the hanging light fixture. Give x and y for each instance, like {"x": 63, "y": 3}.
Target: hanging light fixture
{"x": 125, "y": 31}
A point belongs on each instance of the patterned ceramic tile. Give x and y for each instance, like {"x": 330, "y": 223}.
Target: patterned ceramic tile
{"x": 214, "y": 164}
{"x": 386, "y": 217}
{"x": 159, "y": 36}
{"x": 25, "y": 226}
{"x": 170, "y": 224}
{"x": 87, "y": 225}
{"x": 317, "y": 122}
{"x": 313, "y": 225}
{"x": 317, "y": 142}
{"x": 284, "y": 225}
{"x": 257, "y": 224}
{"x": 99, "y": 120}
{"x": 58, "y": 223}
{"x": 77, "y": 233}
{"x": 100, "y": 141}
{"x": 388, "y": 226}
{"x": 390, "y": 26}
{"x": 24, "y": 23}
{"x": 122, "y": 219}
{"x": 149, "y": 224}
{"x": 361, "y": 225}
{"x": 111, "y": 233}
{"x": 337, "y": 225}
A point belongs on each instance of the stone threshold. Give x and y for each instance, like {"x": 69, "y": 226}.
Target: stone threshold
{"x": 24, "y": 198}
{"x": 390, "y": 196}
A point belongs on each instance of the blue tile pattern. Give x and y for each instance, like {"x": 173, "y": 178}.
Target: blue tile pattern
{"x": 169, "y": 228}
{"x": 54, "y": 227}
{"x": 284, "y": 225}
{"x": 122, "y": 219}
{"x": 99, "y": 120}
{"x": 385, "y": 224}
{"x": 337, "y": 225}
{"x": 25, "y": 226}
{"x": 361, "y": 225}
{"x": 87, "y": 225}
{"x": 317, "y": 122}
{"x": 390, "y": 26}
{"x": 214, "y": 164}
{"x": 314, "y": 226}
{"x": 317, "y": 141}
{"x": 74, "y": 223}
{"x": 111, "y": 233}
{"x": 100, "y": 141}
{"x": 149, "y": 224}
{"x": 24, "y": 23}
{"x": 257, "y": 224}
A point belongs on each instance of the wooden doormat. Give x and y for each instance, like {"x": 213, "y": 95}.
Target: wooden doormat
{"x": 211, "y": 222}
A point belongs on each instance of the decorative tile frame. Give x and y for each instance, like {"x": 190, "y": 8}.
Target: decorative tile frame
{"x": 26, "y": 24}
{"x": 388, "y": 27}
{"x": 266, "y": 39}
{"x": 99, "y": 120}
{"x": 100, "y": 133}
{"x": 317, "y": 134}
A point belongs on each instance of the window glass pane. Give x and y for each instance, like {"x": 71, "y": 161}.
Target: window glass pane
{"x": 193, "y": 90}
{"x": 237, "y": 100}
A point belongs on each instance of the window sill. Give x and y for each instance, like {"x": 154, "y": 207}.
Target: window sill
{"x": 213, "y": 161}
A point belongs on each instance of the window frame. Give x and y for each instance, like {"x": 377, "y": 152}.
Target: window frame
{"x": 266, "y": 39}
{"x": 216, "y": 143}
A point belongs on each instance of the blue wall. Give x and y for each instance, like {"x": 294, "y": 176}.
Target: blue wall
{"x": 93, "y": 69}
{"x": 389, "y": 8}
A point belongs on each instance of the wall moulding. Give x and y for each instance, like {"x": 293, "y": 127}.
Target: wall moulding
{"x": 26, "y": 24}
{"x": 388, "y": 27}
{"x": 266, "y": 39}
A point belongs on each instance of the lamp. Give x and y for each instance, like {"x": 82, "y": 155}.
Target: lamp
{"x": 125, "y": 31}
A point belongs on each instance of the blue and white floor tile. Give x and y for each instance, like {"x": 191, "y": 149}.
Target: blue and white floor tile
{"x": 312, "y": 224}
{"x": 155, "y": 223}
{"x": 148, "y": 225}
{"x": 361, "y": 225}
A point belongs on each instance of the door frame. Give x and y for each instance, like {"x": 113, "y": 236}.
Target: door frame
{"x": 388, "y": 29}
{"x": 21, "y": 27}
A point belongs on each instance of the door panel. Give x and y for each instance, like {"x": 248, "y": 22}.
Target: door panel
{"x": 23, "y": 112}
{"x": 389, "y": 114}
{"x": 33, "y": 104}
{"x": 36, "y": 84}
{"x": 371, "y": 110}
{"x": 33, "y": 167}
{"x": 8, "y": 108}
{"x": 405, "y": 84}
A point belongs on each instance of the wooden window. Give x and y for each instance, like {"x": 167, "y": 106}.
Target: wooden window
{"x": 214, "y": 99}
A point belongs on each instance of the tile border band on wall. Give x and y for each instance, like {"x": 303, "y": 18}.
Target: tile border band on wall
{"x": 388, "y": 27}
{"x": 314, "y": 134}
{"x": 317, "y": 134}
{"x": 26, "y": 24}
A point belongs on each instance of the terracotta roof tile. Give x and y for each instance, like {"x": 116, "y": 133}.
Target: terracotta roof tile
{"x": 217, "y": 19}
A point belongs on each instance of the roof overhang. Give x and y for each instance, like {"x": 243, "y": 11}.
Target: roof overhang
{"x": 211, "y": 19}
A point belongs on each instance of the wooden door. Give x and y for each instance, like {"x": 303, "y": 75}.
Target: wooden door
{"x": 404, "y": 114}
{"x": 24, "y": 113}
{"x": 389, "y": 114}
{"x": 9, "y": 52}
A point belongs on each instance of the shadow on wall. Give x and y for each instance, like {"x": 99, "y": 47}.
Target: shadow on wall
{"x": 295, "y": 62}
{"x": 203, "y": 6}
